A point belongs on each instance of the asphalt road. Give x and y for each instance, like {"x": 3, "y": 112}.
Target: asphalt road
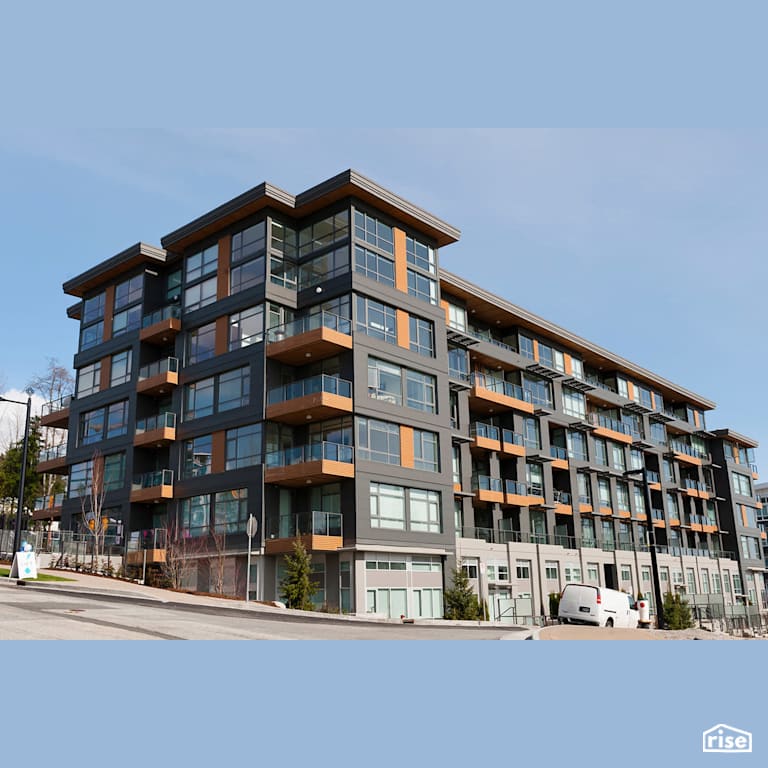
{"x": 30, "y": 613}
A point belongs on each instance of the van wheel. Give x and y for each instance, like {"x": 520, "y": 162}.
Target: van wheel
{"x": 609, "y": 623}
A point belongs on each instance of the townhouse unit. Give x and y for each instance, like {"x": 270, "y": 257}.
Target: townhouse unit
{"x": 304, "y": 359}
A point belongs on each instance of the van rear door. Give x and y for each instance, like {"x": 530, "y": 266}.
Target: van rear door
{"x": 579, "y": 603}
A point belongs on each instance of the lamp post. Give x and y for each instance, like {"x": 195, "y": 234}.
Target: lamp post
{"x": 657, "y": 598}
{"x": 23, "y": 478}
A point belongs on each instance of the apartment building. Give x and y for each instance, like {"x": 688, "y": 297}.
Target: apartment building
{"x": 304, "y": 359}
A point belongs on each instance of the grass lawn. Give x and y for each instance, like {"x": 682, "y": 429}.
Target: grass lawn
{"x": 40, "y": 576}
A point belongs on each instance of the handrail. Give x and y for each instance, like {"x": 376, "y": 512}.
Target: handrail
{"x": 166, "y": 365}
{"x": 59, "y": 404}
{"x": 307, "y": 323}
{"x": 165, "y": 420}
{"x": 310, "y": 386}
{"x": 153, "y": 479}
{"x": 501, "y": 386}
{"x": 49, "y": 454}
{"x": 486, "y": 483}
{"x": 315, "y": 452}
{"x": 488, "y": 431}
{"x": 169, "y": 311}
{"x": 513, "y": 438}
{"x": 317, "y": 523}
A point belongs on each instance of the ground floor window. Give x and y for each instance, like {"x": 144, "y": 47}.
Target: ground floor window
{"x": 391, "y": 603}
{"x": 428, "y": 603}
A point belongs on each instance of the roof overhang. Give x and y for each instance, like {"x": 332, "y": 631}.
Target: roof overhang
{"x": 135, "y": 256}
{"x": 347, "y": 184}
{"x": 729, "y": 434}
{"x": 502, "y": 312}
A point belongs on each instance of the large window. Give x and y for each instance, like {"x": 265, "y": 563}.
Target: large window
{"x": 604, "y": 488}
{"x": 392, "y": 505}
{"x": 93, "y": 309}
{"x": 89, "y": 379}
{"x": 323, "y": 233}
{"x": 618, "y": 461}
{"x": 117, "y": 419}
{"x": 103, "y": 423}
{"x": 197, "y": 456}
{"x": 198, "y": 398}
{"x": 375, "y": 266}
{"x": 248, "y": 242}
{"x": 374, "y": 232}
{"x": 420, "y": 391}
{"x": 201, "y": 344}
{"x": 246, "y": 327}
{"x": 200, "y": 295}
{"x": 92, "y": 323}
{"x": 577, "y": 445}
{"x": 217, "y": 393}
{"x": 120, "y": 368}
{"x": 234, "y": 389}
{"x": 92, "y": 335}
{"x": 244, "y": 447}
{"x": 574, "y": 403}
{"x": 247, "y": 275}
{"x": 222, "y": 513}
{"x": 378, "y": 441}
{"x": 426, "y": 450}
{"x": 420, "y": 255}
{"x": 422, "y": 336}
{"x": 376, "y": 319}
{"x": 201, "y": 263}
{"x": 395, "y": 385}
{"x": 422, "y": 287}
{"x": 127, "y": 320}
{"x": 129, "y": 291}
{"x": 741, "y": 484}
{"x": 81, "y": 475}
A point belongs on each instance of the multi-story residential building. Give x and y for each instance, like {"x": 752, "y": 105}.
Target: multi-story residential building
{"x": 305, "y": 360}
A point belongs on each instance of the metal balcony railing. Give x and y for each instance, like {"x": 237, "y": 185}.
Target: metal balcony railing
{"x": 310, "y": 323}
{"x": 158, "y": 421}
{"x": 167, "y": 365}
{"x": 49, "y": 454}
{"x": 314, "y": 384}
{"x": 315, "y": 452}
{"x": 501, "y": 387}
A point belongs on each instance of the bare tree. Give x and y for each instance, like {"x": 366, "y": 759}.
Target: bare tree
{"x": 181, "y": 553}
{"x": 217, "y": 559}
{"x": 92, "y": 505}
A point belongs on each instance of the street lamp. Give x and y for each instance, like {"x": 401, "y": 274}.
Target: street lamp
{"x": 23, "y": 478}
{"x": 657, "y": 598}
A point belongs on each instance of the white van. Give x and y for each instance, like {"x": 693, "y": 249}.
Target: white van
{"x": 585, "y": 604}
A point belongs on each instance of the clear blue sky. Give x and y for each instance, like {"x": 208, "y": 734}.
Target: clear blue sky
{"x": 651, "y": 243}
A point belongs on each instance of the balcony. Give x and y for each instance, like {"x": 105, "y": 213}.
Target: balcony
{"x": 487, "y": 489}
{"x": 512, "y": 443}
{"x": 159, "y": 377}
{"x": 559, "y": 456}
{"x": 161, "y": 326}
{"x": 611, "y": 428}
{"x": 56, "y": 412}
{"x": 152, "y": 487}
{"x": 313, "y": 399}
{"x": 52, "y": 461}
{"x": 489, "y": 395}
{"x": 147, "y": 546}
{"x": 156, "y": 431}
{"x": 696, "y": 488}
{"x": 685, "y": 453}
{"x": 563, "y": 502}
{"x": 507, "y": 536}
{"x": 310, "y": 464}
{"x": 318, "y": 531}
{"x": 313, "y": 337}
{"x": 523, "y": 494}
{"x": 48, "y": 507}
{"x": 485, "y": 437}
{"x": 654, "y": 480}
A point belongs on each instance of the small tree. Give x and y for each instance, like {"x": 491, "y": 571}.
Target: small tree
{"x": 461, "y": 602}
{"x": 296, "y": 588}
{"x": 677, "y": 612}
{"x": 92, "y": 504}
{"x": 218, "y": 557}
{"x": 180, "y": 552}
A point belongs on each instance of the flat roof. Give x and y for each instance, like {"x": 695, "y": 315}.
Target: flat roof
{"x": 522, "y": 317}
{"x": 137, "y": 254}
{"x": 729, "y": 434}
{"x": 348, "y": 183}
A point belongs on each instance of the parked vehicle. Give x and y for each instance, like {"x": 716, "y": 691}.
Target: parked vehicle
{"x": 585, "y": 604}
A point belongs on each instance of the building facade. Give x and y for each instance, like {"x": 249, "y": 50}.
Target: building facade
{"x": 306, "y": 361}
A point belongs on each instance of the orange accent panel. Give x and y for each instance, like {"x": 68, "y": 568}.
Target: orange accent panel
{"x": 654, "y": 486}
{"x": 743, "y": 515}
{"x": 763, "y": 535}
{"x": 109, "y": 311}
{"x": 696, "y": 418}
{"x": 106, "y": 373}
{"x": 314, "y": 407}
{"x": 735, "y": 453}
{"x": 218, "y": 451}
{"x": 457, "y": 487}
{"x": 568, "y": 364}
{"x": 403, "y": 329}
{"x": 401, "y": 268}
{"x": 631, "y": 390}
{"x": 312, "y": 543}
{"x": 221, "y": 344}
{"x": 536, "y": 350}
{"x": 653, "y": 401}
{"x": 605, "y": 511}
{"x": 512, "y": 449}
{"x": 560, "y": 464}
{"x": 494, "y": 497}
{"x": 486, "y": 444}
{"x": 222, "y": 284}
{"x": 688, "y": 459}
{"x": 563, "y": 509}
{"x": 585, "y": 508}
{"x": 612, "y": 435}
{"x": 315, "y": 344}
{"x": 444, "y": 304}
{"x": 406, "y": 447}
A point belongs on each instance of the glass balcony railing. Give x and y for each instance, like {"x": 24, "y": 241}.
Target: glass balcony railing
{"x": 310, "y": 323}
{"x": 301, "y": 454}
{"x": 314, "y": 384}
{"x": 518, "y": 488}
{"x": 59, "y": 404}
{"x": 51, "y": 454}
{"x": 653, "y": 476}
{"x": 167, "y": 365}
{"x": 562, "y": 497}
{"x": 657, "y": 514}
{"x": 316, "y": 523}
{"x": 458, "y": 374}
{"x": 501, "y": 387}
{"x": 688, "y": 450}
{"x": 513, "y": 438}
{"x": 152, "y": 479}
{"x": 612, "y": 424}
{"x": 507, "y": 536}
{"x": 151, "y": 538}
{"x": 485, "y": 483}
{"x": 556, "y": 452}
{"x": 753, "y": 467}
{"x": 158, "y": 421}
{"x": 488, "y": 431}
{"x": 164, "y": 313}
{"x": 49, "y": 502}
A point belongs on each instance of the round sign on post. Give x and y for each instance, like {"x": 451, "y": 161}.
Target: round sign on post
{"x": 252, "y": 526}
